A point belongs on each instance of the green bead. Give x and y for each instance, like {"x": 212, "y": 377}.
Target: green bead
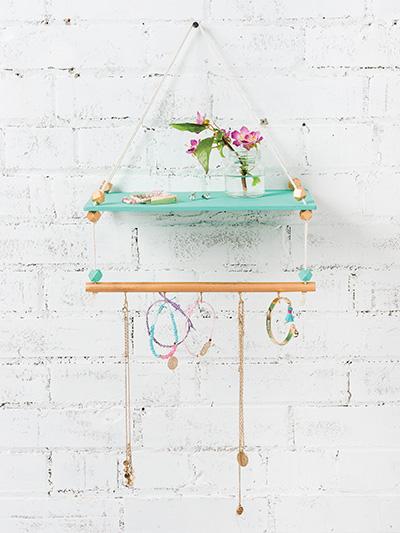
{"x": 305, "y": 274}
{"x": 95, "y": 275}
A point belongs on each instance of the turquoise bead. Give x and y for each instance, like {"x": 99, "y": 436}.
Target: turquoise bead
{"x": 95, "y": 275}
{"x": 305, "y": 274}
{"x": 289, "y": 318}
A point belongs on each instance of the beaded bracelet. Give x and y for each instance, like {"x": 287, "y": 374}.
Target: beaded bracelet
{"x": 171, "y": 304}
{"x": 189, "y": 312}
{"x": 151, "y": 330}
{"x": 289, "y": 319}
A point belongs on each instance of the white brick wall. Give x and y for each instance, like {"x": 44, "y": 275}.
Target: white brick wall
{"x": 323, "y": 413}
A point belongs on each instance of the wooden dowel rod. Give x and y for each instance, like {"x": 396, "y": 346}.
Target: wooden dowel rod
{"x": 203, "y": 286}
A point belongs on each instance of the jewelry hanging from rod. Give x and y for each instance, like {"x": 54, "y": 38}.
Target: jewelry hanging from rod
{"x": 203, "y": 307}
{"x": 129, "y": 474}
{"x": 241, "y": 457}
{"x": 292, "y": 331}
{"x": 174, "y": 310}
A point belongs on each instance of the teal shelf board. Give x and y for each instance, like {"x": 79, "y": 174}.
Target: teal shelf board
{"x": 273, "y": 200}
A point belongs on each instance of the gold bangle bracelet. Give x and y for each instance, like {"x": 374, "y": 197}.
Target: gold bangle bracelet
{"x": 292, "y": 328}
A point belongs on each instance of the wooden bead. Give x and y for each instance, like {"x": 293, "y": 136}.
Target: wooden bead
{"x": 93, "y": 216}
{"x": 106, "y": 186}
{"x": 306, "y": 215}
{"x": 299, "y": 194}
{"x": 296, "y": 181}
{"x": 98, "y": 197}
{"x": 239, "y": 510}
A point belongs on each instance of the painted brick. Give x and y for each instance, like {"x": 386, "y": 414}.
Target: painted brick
{"x": 45, "y": 244}
{"x": 24, "y": 473}
{"x": 275, "y": 383}
{"x": 322, "y": 514}
{"x": 24, "y": 288}
{"x": 26, "y": 99}
{"x": 320, "y": 9}
{"x": 39, "y": 148}
{"x": 163, "y": 469}
{"x": 213, "y": 427}
{"x": 376, "y": 290}
{"x": 353, "y": 45}
{"x": 24, "y": 384}
{"x": 92, "y": 10}
{"x": 96, "y": 46}
{"x": 253, "y": 10}
{"x": 389, "y": 153}
{"x": 101, "y": 147}
{"x": 384, "y": 97}
{"x": 104, "y": 383}
{"x": 388, "y": 9}
{"x": 346, "y": 426}
{"x": 332, "y": 146}
{"x": 22, "y": 10}
{"x": 84, "y": 471}
{"x": 291, "y": 97}
{"x": 374, "y": 382}
{"x": 200, "y": 514}
{"x": 284, "y": 43}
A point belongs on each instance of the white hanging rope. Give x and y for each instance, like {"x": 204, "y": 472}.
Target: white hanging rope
{"x": 149, "y": 105}
{"x": 305, "y": 263}
{"x": 94, "y": 247}
{"x": 231, "y": 76}
{"x": 242, "y": 93}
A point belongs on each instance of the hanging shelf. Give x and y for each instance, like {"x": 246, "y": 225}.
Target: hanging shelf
{"x": 295, "y": 199}
{"x": 273, "y": 200}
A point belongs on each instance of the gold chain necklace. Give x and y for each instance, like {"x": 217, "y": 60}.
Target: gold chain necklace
{"x": 241, "y": 457}
{"x": 128, "y": 467}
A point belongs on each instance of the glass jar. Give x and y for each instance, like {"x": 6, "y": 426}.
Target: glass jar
{"x": 244, "y": 177}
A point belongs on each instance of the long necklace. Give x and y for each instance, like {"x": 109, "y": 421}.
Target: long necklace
{"x": 128, "y": 466}
{"x": 241, "y": 457}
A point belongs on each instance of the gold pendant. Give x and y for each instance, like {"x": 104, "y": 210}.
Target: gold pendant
{"x": 128, "y": 470}
{"x": 205, "y": 348}
{"x": 242, "y": 458}
{"x": 172, "y": 362}
{"x": 239, "y": 510}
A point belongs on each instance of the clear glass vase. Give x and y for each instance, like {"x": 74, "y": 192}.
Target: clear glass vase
{"x": 244, "y": 177}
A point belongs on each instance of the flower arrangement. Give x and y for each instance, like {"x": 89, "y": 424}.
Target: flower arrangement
{"x": 238, "y": 142}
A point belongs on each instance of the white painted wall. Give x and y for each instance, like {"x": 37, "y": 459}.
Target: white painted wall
{"x": 323, "y": 414}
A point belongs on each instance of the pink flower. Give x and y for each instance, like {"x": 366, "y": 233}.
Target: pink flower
{"x": 199, "y": 118}
{"x": 193, "y": 145}
{"x": 227, "y": 134}
{"x": 247, "y": 139}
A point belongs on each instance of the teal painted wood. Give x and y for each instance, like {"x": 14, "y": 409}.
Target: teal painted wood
{"x": 273, "y": 200}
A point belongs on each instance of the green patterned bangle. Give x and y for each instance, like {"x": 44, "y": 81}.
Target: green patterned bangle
{"x": 292, "y": 328}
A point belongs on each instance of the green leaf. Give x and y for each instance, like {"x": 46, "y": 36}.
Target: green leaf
{"x": 220, "y": 147}
{"x": 189, "y": 126}
{"x": 203, "y": 152}
{"x": 256, "y": 180}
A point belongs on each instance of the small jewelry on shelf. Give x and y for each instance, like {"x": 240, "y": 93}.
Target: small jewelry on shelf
{"x": 292, "y": 332}
{"x": 153, "y": 198}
